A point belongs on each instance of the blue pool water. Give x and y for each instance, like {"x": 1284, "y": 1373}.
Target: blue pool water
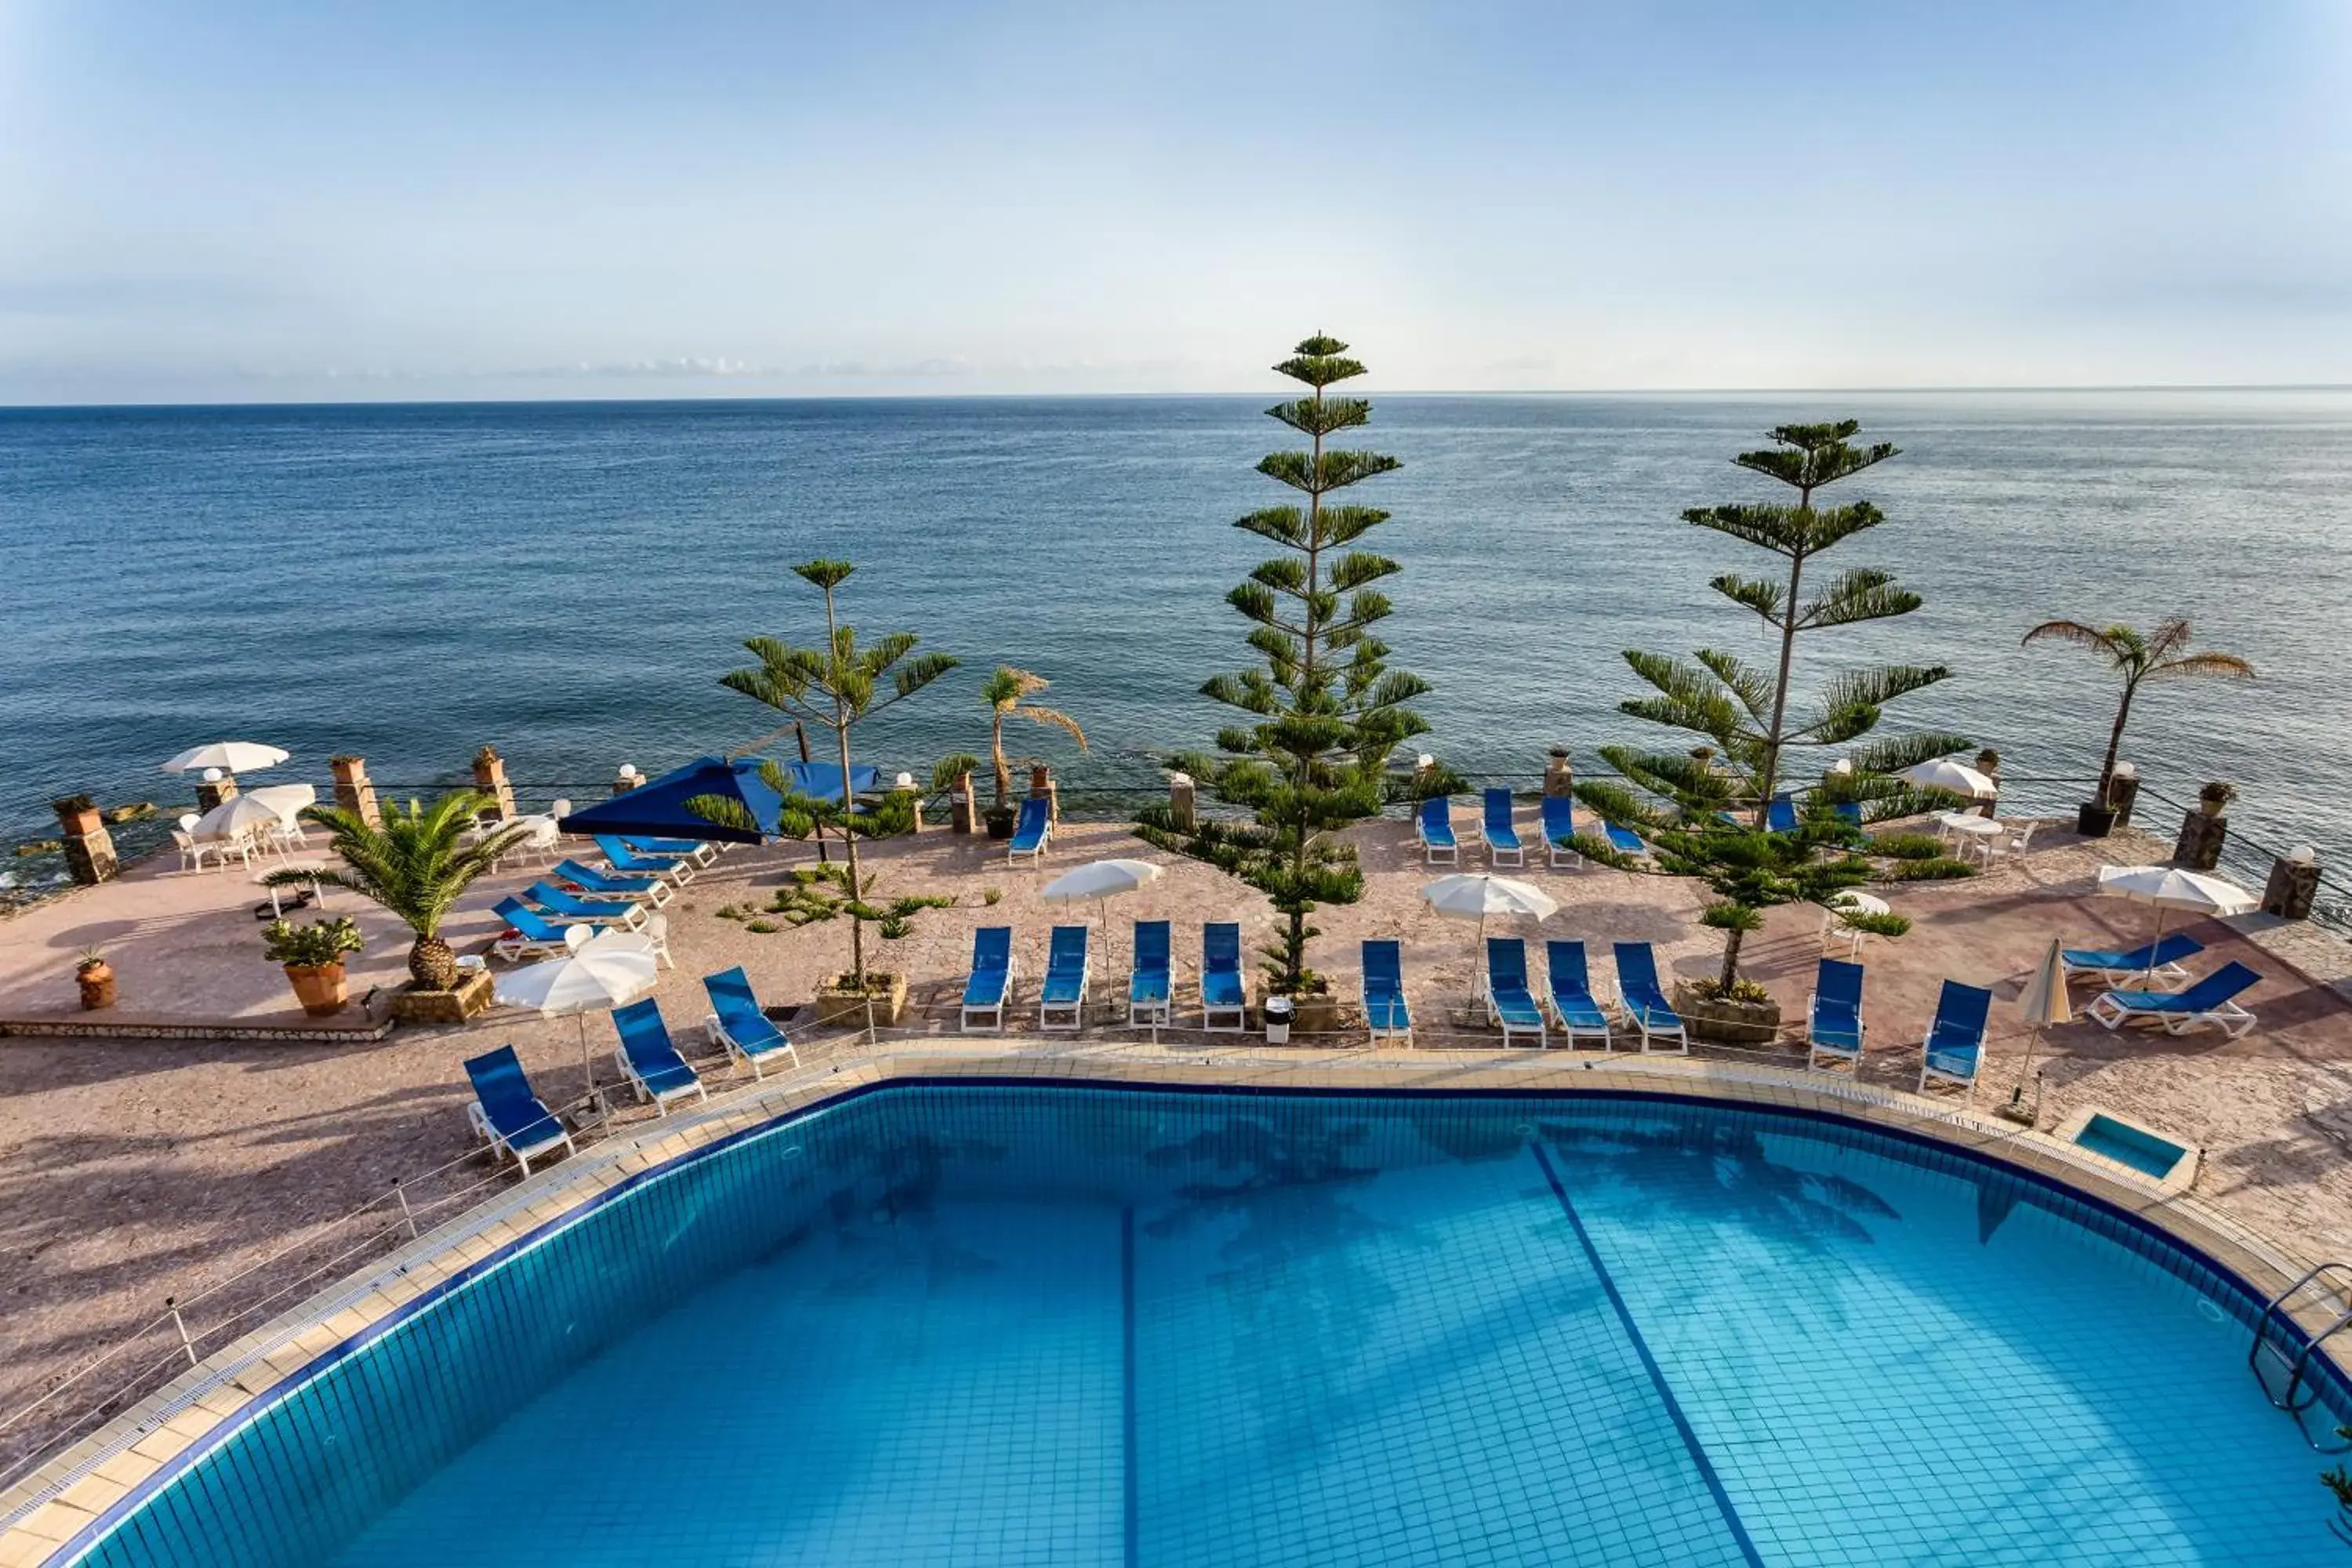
{"x": 2127, "y": 1145}
{"x": 1015, "y": 1325}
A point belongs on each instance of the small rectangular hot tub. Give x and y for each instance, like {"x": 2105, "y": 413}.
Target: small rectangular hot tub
{"x": 2167, "y": 1162}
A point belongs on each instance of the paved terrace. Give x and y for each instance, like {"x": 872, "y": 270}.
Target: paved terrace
{"x": 133, "y": 1170}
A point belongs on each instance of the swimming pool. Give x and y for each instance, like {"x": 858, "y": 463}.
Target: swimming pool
{"x": 992, "y": 1323}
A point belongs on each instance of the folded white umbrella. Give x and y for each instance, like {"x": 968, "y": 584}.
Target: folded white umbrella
{"x": 1959, "y": 779}
{"x": 600, "y": 973}
{"x": 2044, "y": 1003}
{"x": 1100, "y": 880}
{"x": 237, "y": 813}
{"x": 229, "y": 756}
{"x": 2170, "y": 887}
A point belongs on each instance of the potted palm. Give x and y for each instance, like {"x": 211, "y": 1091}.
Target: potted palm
{"x": 313, "y": 957}
{"x": 2138, "y": 657}
{"x": 415, "y": 864}
{"x": 96, "y": 978}
{"x": 1006, "y": 693}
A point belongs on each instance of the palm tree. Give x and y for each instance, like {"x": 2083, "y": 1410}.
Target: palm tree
{"x": 1004, "y": 692}
{"x": 413, "y": 866}
{"x": 2138, "y": 657}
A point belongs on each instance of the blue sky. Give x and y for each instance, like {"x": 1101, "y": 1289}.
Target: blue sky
{"x": 248, "y": 201}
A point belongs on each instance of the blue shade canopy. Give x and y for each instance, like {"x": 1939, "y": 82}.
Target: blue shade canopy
{"x": 657, "y": 808}
{"x": 822, "y": 780}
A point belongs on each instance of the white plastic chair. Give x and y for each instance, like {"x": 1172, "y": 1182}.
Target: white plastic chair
{"x": 192, "y": 854}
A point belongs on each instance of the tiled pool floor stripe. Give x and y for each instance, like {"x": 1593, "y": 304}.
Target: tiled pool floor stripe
{"x": 1649, "y": 1363}
{"x": 1127, "y": 1381}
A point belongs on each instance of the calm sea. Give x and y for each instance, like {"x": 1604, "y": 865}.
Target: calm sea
{"x": 567, "y": 581}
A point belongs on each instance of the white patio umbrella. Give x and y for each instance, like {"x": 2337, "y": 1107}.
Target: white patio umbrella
{"x": 229, "y": 756}
{"x": 2044, "y": 1003}
{"x": 1475, "y": 895}
{"x": 1100, "y": 880}
{"x": 1946, "y": 774}
{"x": 237, "y": 813}
{"x": 600, "y": 973}
{"x": 2170, "y": 887}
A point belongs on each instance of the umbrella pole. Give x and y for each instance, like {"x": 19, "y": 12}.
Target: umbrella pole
{"x": 588, "y": 1068}
{"x": 2148, "y": 978}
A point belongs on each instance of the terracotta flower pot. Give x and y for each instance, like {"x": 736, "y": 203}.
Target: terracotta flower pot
{"x": 319, "y": 987}
{"x": 97, "y": 983}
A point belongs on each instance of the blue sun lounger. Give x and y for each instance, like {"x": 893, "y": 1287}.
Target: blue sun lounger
{"x": 535, "y": 936}
{"x": 1624, "y": 840}
{"x": 694, "y": 849}
{"x": 1503, "y": 847}
{"x": 550, "y": 897}
{"x": 1954, "y": 1049}
{"x": 1033, "y": 832}
{"x": 604, "y": 884}
{"x": 1434, "y": 827}
{"x": 1508, "y": 1001}
{"x": 1222, "y": 994}
{"x": 1570, "y": 984}
{"x": 628, "y": 862}
{"x": 654, "y": 1069}
{"x": 2212, "y": 1000}
{"x": 736, "y": 1023}
{"x": 1645, "y": 1004}
{"x": 990, "y": 984}
{"x": 1833, "y": 1014}
{"x": 1780, "y": 816}
{"x": 1062, "y": 998}
{"x": 1150, "y": 978}
{"x": 1558, "y": 827}
{"x": 1385, "y": 1009}
{"x": 2157, "y": 960}
{"x": 1848, "y": 812}
{"x": 511, "y": 1119}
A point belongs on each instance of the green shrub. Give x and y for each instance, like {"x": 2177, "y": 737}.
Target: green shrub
{"x": 1941, "y": 868}
{"x": 309, "y": 946}
{"x": 1908, "y": 846}
{"x": 991, "y": 897}
{"x": 762, "y": 927}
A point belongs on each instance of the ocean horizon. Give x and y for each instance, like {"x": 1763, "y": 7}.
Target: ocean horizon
{"x": 567, "y": 580}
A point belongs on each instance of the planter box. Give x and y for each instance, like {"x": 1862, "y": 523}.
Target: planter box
{"x": 1727, "y": 1023}
{"x": 470, "y": 998}
{"x": 837, "y": 1004}
{"x": 1318, "y": 1015}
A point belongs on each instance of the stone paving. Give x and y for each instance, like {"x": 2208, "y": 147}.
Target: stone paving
{"x": 134, "y": 1170}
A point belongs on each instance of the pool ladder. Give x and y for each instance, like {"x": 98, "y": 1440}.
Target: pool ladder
{"x": 2280, "y": 1355}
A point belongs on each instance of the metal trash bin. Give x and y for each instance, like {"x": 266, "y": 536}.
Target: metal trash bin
{"x": 1281, "y": 1011}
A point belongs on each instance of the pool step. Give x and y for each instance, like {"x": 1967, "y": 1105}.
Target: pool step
{"x": 2281, "y": 1351}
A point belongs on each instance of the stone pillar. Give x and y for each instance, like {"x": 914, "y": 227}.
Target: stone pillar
{"x": 628, "y": 779}
{"x": 1042, "y": 787}
{"x": 1989, "y": 764}
{"x": 88, "y": 848}
{"x": 490, "y": 779}
{"x": 2201, "y": 836}
{"x": 1557, "y": 780}
{"x": 215, "y": 787}
{"x": 2123, "y": 791}
{"x": 1181, "y": 809}
{"x": 964, "y": 807}
{"x": 2293, "y": 884}
{"x": 1424, "y": 766}
{"x": 905, "y": 784}
{"x": 354, "y": 790}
